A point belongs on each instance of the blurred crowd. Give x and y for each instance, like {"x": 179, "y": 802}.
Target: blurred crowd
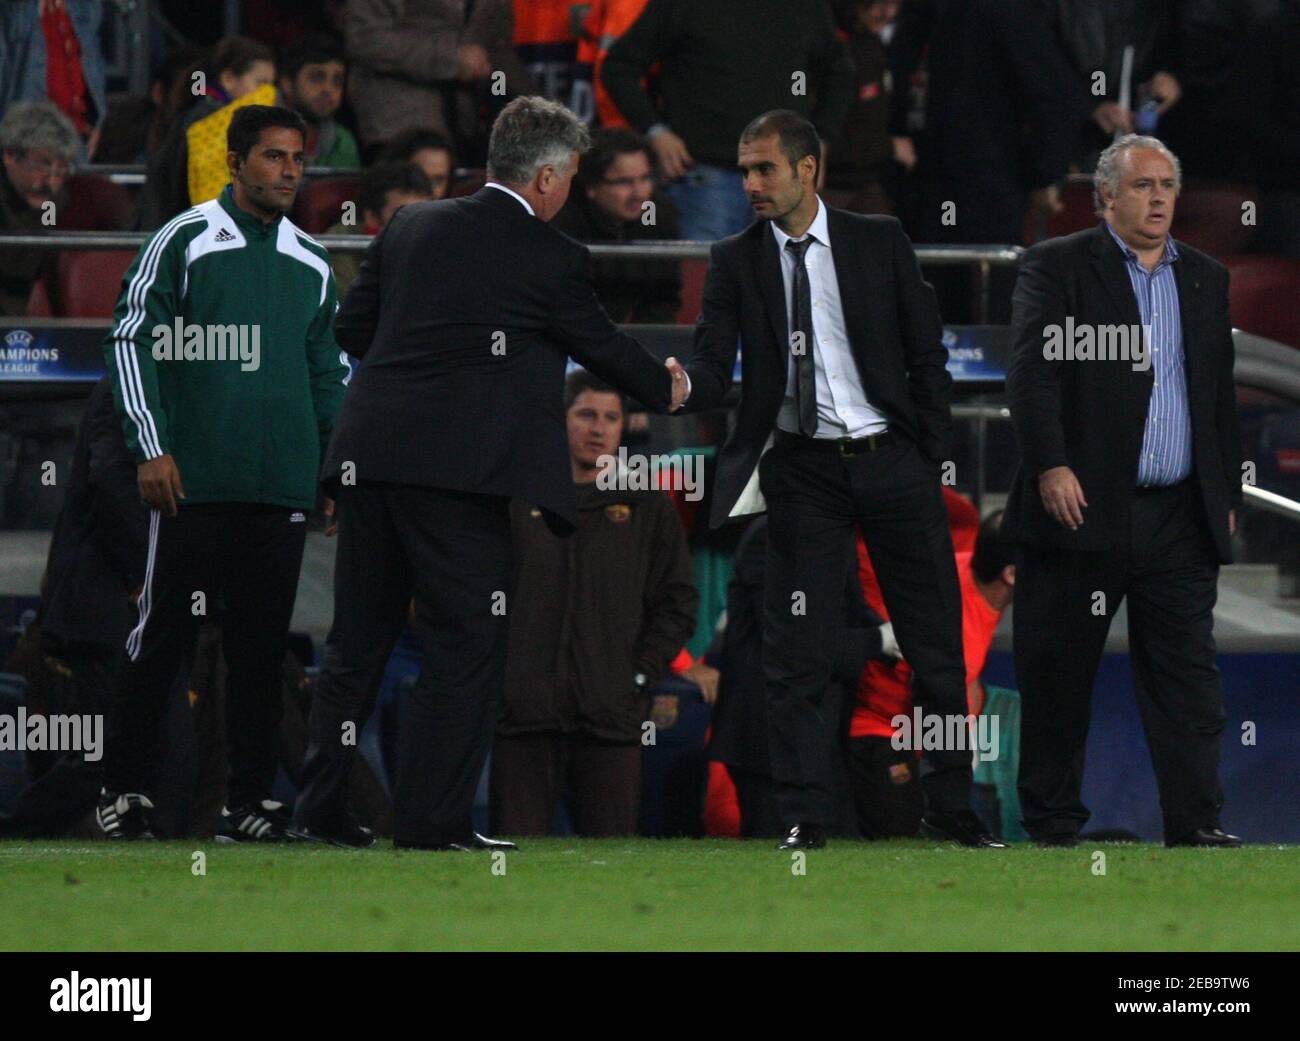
{"x": 965, "y": 118}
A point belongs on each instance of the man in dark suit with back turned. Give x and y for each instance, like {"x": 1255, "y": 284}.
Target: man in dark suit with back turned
{"x": 1129, "y": 480}
{"x": 844, "y": 376}
{"x": 463, "y": 312}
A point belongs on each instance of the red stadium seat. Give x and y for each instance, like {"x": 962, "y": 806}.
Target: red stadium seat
{"x": 1209, "y": 218}
{"x": 1262, "y": 295}
{"x": 38, "y": 303}
{"x": 89, "y": 282}
{"x": 319, "y": 205}
{"x": 693, "y": 273}
{"x": 1077, "y": 214}
{"x": 96, "y": 204}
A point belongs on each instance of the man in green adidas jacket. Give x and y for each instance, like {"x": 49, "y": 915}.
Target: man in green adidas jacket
{"x": 227, "y": 378}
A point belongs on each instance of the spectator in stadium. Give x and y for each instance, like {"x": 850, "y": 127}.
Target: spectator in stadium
{"x": 237, "y": 68}
{"x": 857, "y": 442}
{"x": 602, "y": 25}
{"x": 228, "y": 510}
{"x": 385, "y": 189}
{"x": 741, "y": 734}
{"x": 417, "y": 65}
{"x": 94, "y": 571}
{"x": 38, "y": 144}
{"x": 1002, "y": 116}
{"x": 1211, "y": 44}
{"x": 886, "y": 781}
{"x": 857, "y": 170}
{"x": 430, "y": 151}
{"x": 1129, "y": 481}
{"x": 137, "y": 124}
{"x": 1096, "y": 38}
{"x": 464, "y": 312}
{"x": 312, "y": 77}
{"x": 595, "y": 619}
{"x": 614, "y": 201}
{"x": 1264, "y": 97}
{"x": 775, "y": 55}
{"x": 49, "y": 50}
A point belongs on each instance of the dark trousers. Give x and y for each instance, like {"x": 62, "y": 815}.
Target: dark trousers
{"x": 450, "y": 552}
{"x": 886, "y": 788}
{"x": 245, "y": 556}
{"x": 1169, "y": 570}
{"x": 531, "y": 773}
{"x": 756, "y": 797}
{"x": 816, "y": 499}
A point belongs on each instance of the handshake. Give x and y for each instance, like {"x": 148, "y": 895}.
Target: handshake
{"x": 681, "y": 384}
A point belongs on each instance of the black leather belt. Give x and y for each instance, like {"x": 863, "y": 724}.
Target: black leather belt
{"x": 838, "y": 445}
{"x": 1144, "y": 490}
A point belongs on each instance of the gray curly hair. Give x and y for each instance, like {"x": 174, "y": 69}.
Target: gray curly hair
{"x": 530, "y": 133}
{"x": 1105, "y": 179}
{"x": 38, "y": 125}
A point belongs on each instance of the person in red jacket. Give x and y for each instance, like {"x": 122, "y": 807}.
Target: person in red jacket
{"x": 886, "y": 779}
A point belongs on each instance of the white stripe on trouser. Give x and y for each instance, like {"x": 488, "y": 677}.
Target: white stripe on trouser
{"x": 136, "y": 636}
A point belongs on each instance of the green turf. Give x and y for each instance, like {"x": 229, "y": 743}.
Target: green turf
{"x": 646, "y": 895}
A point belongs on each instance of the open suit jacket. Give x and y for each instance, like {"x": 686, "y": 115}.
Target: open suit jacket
{"x": 895, "y": 334}
{"x": 1090, "y": 415}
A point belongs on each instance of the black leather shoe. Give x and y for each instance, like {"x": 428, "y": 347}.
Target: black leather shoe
{"x": 474, "y": 842}
{"x": 962, "y": 827}
{"x": 350, "y": 836}
{"x": 804, "y": 836}
{"x": 1208, "y": 837}
{"x": 1065, "y": 839}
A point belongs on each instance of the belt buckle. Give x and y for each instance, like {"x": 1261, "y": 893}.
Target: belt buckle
{"x": 847, "y": 447}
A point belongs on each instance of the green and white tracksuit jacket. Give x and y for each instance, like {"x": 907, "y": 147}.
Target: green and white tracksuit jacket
{"x": 222, "y": 355}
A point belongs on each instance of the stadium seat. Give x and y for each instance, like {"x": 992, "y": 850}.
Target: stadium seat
{"x": 96, "y": 204}
{"x": 89, "y": 282}
{"x": 693, "y": 273}
{"x": 319, "y": 205}
{"x": 467, "y": 182}
{"x": 1262, "y": 296}
{"x": 1077, "y": 213}
{"x": 1208, "y": 217}
{"x": 38, "y": 303}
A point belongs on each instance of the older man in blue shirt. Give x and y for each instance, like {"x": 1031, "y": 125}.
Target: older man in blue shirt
{"x": 1128, "y": 487}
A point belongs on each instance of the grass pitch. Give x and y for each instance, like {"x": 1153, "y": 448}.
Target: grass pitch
{"x": 641, "y": 894}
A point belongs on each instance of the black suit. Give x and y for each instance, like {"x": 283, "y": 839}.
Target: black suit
{"x": 1160, "y": 547}
{"x": 816, "y": 496}
{"x": 463, "y": 312}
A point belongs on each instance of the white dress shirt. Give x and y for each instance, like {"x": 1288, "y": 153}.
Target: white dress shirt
{"x": 842, "y": 406}
{"x": 510, "y": 191}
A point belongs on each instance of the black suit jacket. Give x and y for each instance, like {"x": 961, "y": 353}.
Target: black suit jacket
{"x": 1090, "y": 415}
{"x": 891, "y": 316}
{"x": 100, "y": 543}
{"x": 464, "y": 312}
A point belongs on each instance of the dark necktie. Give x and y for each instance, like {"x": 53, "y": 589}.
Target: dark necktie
{"x": 805, "y": 371}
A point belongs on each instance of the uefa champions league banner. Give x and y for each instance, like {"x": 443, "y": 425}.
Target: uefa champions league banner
{"x": 48, "y": 350}
{"x": 45, "y": 350}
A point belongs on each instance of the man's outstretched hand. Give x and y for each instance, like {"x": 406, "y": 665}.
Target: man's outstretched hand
{"x": 681, "y": 385}
{"x": 159, "y": 481}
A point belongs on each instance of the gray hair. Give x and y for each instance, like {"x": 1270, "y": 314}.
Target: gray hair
{"x": 39, "y": 125}
{"x": 530, "y": 133}
{"x": 1105, "y": 179}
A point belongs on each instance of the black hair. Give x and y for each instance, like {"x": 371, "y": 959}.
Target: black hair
{"x": 248, "y": 122}
{"x": 993, "y": 549}
{"x": 310, "y": 49}
{"x": 607, "y": 144}
{"x": 379, "y": 180}
{"x": 797, "y": 136}
{"x": 579, "y": 381}
{"x": 237, "y": 54}
{"x": 401, "y": 148}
